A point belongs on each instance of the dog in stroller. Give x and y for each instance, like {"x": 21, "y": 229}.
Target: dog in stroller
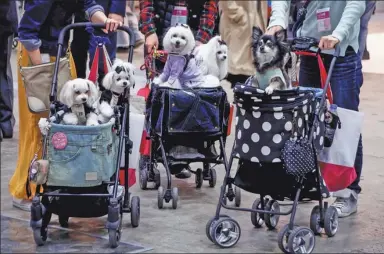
{"x": 79, "y": 170}
{"x": 277, "y": 139}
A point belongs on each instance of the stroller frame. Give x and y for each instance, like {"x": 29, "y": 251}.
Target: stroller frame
{"x": 158, "y": 154}
{"x": 265, "y": 210}
{"x": 40, "y": 215}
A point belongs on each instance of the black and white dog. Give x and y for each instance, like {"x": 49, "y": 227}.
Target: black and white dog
{"x": 114, "y": 83}
{"x": 270, "y": 56}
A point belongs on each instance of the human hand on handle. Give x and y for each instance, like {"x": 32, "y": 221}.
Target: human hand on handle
{"x": 113, "y": 21}
{"x": 151, "y": 42}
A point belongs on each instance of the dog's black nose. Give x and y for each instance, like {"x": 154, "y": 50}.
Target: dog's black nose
{"x": 225, "y": 57}
{"x": 84, "y": 99}
{"x": 177, "y": 42}
{"x": 125, "y": 83}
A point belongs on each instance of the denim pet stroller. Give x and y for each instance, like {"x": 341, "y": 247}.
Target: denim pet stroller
{"x": 84, "y": 162}
{"x": 265, "y": 124}
{"x": 184, "y": 126}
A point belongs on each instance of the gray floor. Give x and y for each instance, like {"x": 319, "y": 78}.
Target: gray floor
{"x": 183, "y": 230}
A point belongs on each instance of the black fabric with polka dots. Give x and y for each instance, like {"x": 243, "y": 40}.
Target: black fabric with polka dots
{"x": 265, "y": 122}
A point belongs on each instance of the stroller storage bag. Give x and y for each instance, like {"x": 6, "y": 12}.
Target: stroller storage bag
{"x": 81, "y": 156}
{"x": 264, "y": 122}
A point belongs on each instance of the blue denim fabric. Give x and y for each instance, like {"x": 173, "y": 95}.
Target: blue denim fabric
{"x": 364, "y": 20}
{"x": 91, "y": 150}
{"x": 194, "y": 111}
{"x": 346, "y": 81}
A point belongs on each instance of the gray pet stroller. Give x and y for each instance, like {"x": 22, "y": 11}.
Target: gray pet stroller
{"x": 83, "y": 164}
{"x": 276, "y": 142}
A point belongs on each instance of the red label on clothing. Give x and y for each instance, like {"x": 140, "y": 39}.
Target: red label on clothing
{"x": 59, "y": 140}
{"x": 323, "y": 15}
{"x": 180, "y": 12}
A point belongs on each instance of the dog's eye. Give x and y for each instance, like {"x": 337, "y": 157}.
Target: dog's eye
{"x": 175, "y": 35}
{"x": 118, "y": 79}
{"x": 219, "y": 52}
{"x": 260, "y": 43}
{"x": 182, "y": 37}
{"x": 87, "y": 91}
{"x": 269, "y": 44}
{"x": 77, "y": 92}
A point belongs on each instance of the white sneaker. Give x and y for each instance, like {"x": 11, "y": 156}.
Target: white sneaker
{"x": 346, "y": 204}
{"x": 22, "y": 204}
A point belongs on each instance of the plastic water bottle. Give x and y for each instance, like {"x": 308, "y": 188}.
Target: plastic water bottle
{"x": 179, "y": 15}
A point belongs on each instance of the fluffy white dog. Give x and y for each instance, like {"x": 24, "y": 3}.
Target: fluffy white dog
{"x": 212, "y": 58}
{"x": 181, "y": 69}
{"x": 115, "y": 82}
{"x": 79, "y": 95}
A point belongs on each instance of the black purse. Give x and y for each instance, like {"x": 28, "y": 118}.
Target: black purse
{"x": 298, "y": 155}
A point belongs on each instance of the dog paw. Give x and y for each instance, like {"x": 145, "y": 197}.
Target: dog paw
{"x": 70, "y": 119}
{"x": 269, "y": 90}
{"x": 92, "y": 122}
{"x": 44, "y": 126}
{"x": 156, "y": 81}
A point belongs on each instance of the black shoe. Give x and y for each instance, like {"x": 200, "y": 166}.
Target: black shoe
{"x": 184, "y": 174}
{"x": 366, "y": 55}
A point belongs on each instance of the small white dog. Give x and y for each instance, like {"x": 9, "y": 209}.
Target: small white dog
{"x": 79, "y": 95}
{"x": 115, "y": 82}
{"x": 181, "y": 69}
{"x": 212, "y": 58}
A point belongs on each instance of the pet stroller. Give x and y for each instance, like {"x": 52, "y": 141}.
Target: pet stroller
{"x": 82, "y": 164}
{"x": 276, "y": 143}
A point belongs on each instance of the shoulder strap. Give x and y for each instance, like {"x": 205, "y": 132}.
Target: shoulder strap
{"x": 188, "y": 57}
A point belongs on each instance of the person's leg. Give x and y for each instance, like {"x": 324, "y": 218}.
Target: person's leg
{"x": 79, "y": 48}
{"x": 7, "y": 120}
{"x": 346, "y": 82}
{"x": 364, "y": 20}
{"x": 309, "y": 74}
{"x": 133, "y": 22}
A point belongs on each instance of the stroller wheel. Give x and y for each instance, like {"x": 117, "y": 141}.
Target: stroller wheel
{"x": 257, "y": 218}
{"x": 212, "y": 180}
{"x": 301, "y": 240}
{"x": 282, "y": 239}
{"x": 114, "y": 237}
{"x": 135, "y": 211}
{"x": 210, "y": 224}
{"x": 40, "y": 235}
{"x": 175, "y": 197}
{"x": 160, "y": 197}
{"x": 331, "y": 221}
{"x": 157, "y": 178}
{"x": 314, "y": 223}
{"x": 63, "y": 220}
{"x": 199, "y": 178}
{"x": 225, "y": 232}
{"x": 237, "y": 197}
{"x": 143, "y": 179}
{"x": 271, "y": 220}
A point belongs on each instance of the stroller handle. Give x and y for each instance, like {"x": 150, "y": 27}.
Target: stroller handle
{"x": 60, "y": 45}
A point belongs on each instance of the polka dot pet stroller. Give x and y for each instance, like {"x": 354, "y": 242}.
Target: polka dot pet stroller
{"x": 82, "y": 166}
{"x": 265, "y": 124}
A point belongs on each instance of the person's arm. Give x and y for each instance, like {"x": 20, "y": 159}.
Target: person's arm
{"x": 207, "y": 21}
{"x": 279, "y": 16}
{"x": 34, "y": 17}
{"x": 235, "y": 12}
{"x": 95, "y": 14}
{"x": 146, "y": 24}
{"x": 351, "y": 14}
{"x": 117, "y": 10}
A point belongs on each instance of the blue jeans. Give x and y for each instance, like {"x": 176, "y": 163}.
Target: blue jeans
{"x": 346, "y": 81}
{"x": 364, "y": 20}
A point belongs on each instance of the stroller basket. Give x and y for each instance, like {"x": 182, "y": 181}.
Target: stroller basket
{"x": 81, "y": 156}
{"x": 264, "y": 123}
{"x": 199, "y": 111}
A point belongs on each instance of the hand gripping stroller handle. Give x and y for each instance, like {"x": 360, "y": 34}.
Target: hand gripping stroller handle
{"x": 60, "y": 45}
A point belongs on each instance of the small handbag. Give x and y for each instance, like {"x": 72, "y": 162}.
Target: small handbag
{"x": 298, "y": 156}
{"x": 37, "y": 81}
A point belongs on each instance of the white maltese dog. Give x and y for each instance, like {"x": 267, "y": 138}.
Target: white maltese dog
{"x": 79, "y": 95}
{"x": 181, "y": 70}
{"x": 115, "y": 82}
{"x": 212, "y": 58}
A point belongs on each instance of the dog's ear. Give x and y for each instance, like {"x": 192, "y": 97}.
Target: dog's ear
{"x": 256, "y": 33}
{"x": 93, "y": 93}
{"x": 108, "y": 80}
{"x": 281, "y": 35}
{"x": 66, "y": 93}
{"x": 131, "y": 69}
